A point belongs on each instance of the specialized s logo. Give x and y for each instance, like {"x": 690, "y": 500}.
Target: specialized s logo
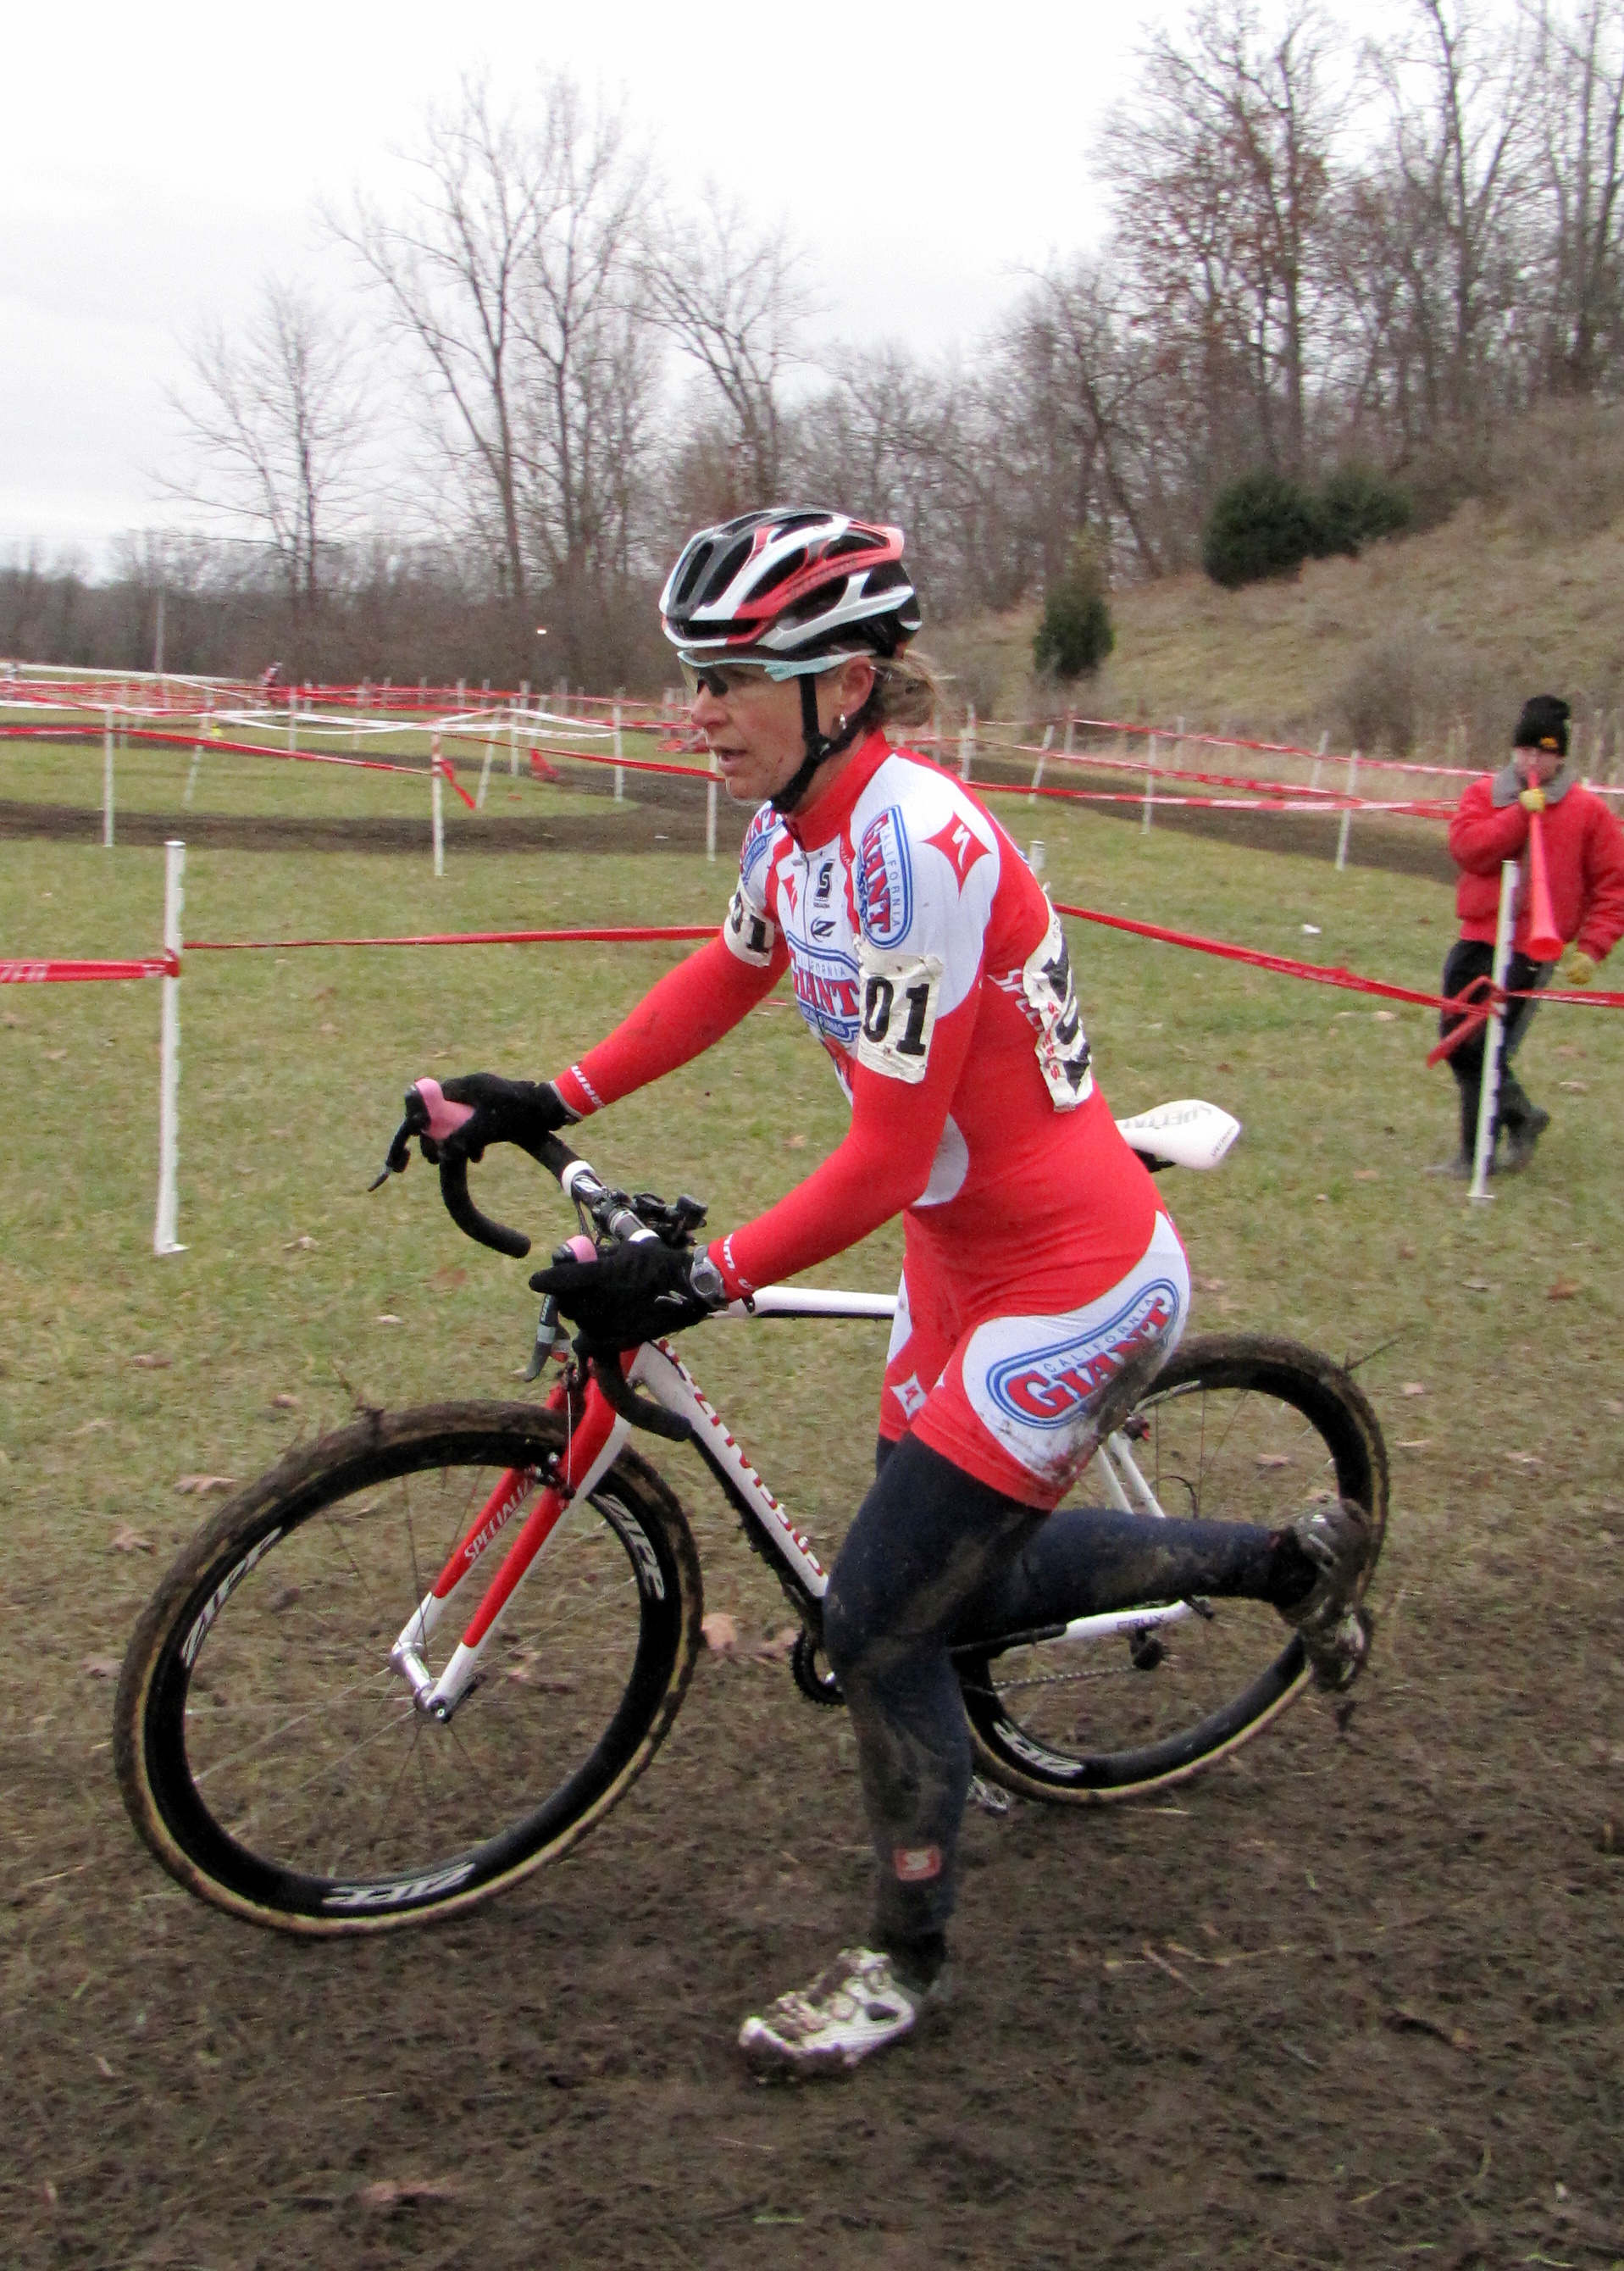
{"x": 960, "y": 845}
{"x": 1046, "y": 1388}
{"x": 885, "y": 880}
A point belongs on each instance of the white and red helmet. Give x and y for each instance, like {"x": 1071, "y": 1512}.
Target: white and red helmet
{"x": 795, "y": 585}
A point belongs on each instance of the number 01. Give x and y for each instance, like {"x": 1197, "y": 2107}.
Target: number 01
{"x": 877, "y": 1015}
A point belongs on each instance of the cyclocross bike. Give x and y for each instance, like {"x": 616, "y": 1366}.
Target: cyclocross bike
{"x": 425, "y": 1654}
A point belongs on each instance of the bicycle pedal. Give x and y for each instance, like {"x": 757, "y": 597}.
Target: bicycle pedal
{"x": 987, "y": 1798}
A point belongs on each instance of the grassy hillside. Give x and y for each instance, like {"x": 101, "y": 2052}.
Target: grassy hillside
{"x": 1423, "y": 639}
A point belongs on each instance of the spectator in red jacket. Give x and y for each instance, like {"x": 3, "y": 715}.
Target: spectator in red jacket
{"x": 1584, "y": 865}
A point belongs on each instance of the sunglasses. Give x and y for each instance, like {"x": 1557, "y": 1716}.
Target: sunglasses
{"x": 719, "y": 679}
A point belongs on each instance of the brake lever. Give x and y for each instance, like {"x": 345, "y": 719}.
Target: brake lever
{"x": 398, "y": 1157}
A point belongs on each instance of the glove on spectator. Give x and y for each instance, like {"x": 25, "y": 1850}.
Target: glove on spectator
{"x": 519, "y": 1112}
{"x": 633, "y": 1293}
{"x": 1532, "y": 800}
{"x": 1578, "y": 968}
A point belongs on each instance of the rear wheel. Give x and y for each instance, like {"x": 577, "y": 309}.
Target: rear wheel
{"x": 1237, "y": 1427}
{"x": 273, "y": 1758}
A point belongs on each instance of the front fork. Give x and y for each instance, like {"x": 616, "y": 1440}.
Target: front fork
{"x": 591, "y": 1447}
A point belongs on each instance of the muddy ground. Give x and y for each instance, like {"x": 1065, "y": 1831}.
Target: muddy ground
{"x": 668, "y": 816}
{"x": 1350, "y": 2000}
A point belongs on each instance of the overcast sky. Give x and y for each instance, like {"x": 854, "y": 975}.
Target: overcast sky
{"x": 157, "y": 161}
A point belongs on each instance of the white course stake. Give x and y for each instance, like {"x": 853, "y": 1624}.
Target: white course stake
{"x": 1043, "y": 758}
{"x": 1347, "y": 814}
{"x": 966, "y": 744}
{"x": 1150, "y": 786}
{"x": 1319, "y": 759}
{"x": 1489, "y": 1095}
{"x": 437, "y": 797}
{"x": 106, "y": 780}
{"x": 485, "y": 769}
{"x": 169, "y": 1061}
{"x": 292, "y": 717}
{"x": 619, "y": 753}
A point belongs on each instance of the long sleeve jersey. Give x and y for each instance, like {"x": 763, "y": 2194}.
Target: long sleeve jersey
{"x": 926, "y": 959}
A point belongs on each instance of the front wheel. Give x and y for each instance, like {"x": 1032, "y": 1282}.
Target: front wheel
{"x": 1236, "y": 1426}
{"x": 272, "y": 1756}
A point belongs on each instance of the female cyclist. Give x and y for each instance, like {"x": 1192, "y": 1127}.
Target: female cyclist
{"x": 1043, "y": 1283}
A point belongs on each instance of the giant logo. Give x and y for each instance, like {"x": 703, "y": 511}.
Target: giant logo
{"x": 1046, "y": 1388}
{"x": 828, "y": 992}
{"x": 885, "y": 880}
{"x": 758, "y": 840}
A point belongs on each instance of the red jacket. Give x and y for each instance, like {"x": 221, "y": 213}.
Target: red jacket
{"x": 1584, "y": 859}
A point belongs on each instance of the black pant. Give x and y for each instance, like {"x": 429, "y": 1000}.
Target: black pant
{"x": 934, "y": 1556}
{"x": 1469, "y": 958}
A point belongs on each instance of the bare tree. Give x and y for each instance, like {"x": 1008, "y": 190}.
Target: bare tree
{"x": 1223, "y": 170}
{"x": 1580, "y": 73}
{"x": 731, "y": 301}
{"x": 275, "y": 421}
{"x": 588, "y": 384}
{"x": 1458, "y": 181}
{"x": 452, "y": 275}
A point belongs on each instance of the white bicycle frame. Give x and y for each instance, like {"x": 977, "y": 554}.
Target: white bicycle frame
{"x": 1197, "y": 1135}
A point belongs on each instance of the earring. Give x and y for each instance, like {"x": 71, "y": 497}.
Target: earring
{"x": 840, "y": 723}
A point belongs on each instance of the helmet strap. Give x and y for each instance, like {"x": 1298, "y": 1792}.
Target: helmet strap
{"x": 819, "y": 747}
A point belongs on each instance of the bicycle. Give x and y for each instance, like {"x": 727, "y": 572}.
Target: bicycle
{"x": 294, "y": 1753}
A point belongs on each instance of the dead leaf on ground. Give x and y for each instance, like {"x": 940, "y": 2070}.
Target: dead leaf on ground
{"x": 1574, "y": 1087}
{"x": 303, "y": 1244}
{"x": 1410, "y": 2021}
{"x": 402, "y": 2192}
{"x": 1386, "y": 1016}
{"x": 779, "y": 1648}
{"x": 1611, "y": 1403}
{"x": 126, "y": 1540}
{"x": 55, "y": 1056}
{"x": 795, "y": 1143}
{"x": 1524, "y": 1458}
{"x": 1210, "y": 1284}
{"x": 1564, "y": 1290}
{"x": 1478, "y": 1285}
{"x": 102, "y": 1667}
{"x": 386, "y": 1317}
{"x": 720, "y": 1631}
{"x": 91, "y": 1427}
{"x": 285, "y": 1404}
{"x": 200, "y": 1485}
{"x": 148, "y": 1362}
{"x": 1414, "y": 1442}
{"x": 1273, "y": 1459}
{"x": 329, "y": 1029}
{"x": 103, "y": 2068}
{"x": 1414, "y": 1388}
{"x": 1367, "y": 1174}
{"x": 1407, "y": 1253}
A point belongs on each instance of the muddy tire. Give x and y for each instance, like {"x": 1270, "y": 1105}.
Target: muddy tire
{"x": 1236, "y": 1426}
{"x": 273, "y": 1758}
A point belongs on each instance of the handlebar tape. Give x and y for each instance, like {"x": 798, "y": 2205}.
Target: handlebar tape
{"x": 467, "y": 1218}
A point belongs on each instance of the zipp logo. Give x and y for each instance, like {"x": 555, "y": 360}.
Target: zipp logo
{"x": 396, "y": 1892}
{"x": 221, "y": 1594}
{"x": 1048, "y": 1388}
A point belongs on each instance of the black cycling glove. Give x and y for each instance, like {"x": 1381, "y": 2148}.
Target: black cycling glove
{"x": 505, "y": 1112}
{"x": 633, "y": 1293}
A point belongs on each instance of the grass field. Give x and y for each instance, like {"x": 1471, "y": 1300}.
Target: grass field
{"x": 167, "y": 2064}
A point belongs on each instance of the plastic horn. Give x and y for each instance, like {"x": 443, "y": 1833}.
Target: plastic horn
{"x": 1544, "y": 941}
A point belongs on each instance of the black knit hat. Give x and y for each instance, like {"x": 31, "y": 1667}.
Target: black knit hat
{"x": 1543, "y": 725}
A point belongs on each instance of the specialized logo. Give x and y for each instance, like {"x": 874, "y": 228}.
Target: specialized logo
{"x": 917, "y": 1865}
{"x": 910, "y": 1395}
{"x": 829, "y": 993}
{"x": 960, "y": 845}
{"x": 826, "y": 884}
{"x": 885, "y": 880}
{"x": 1046, "y": 1388}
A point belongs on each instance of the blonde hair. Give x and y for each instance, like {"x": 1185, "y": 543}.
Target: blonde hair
{"x": 907, "y": 692}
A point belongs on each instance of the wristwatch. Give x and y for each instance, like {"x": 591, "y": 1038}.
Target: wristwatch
{"x": 708, "y": 1282}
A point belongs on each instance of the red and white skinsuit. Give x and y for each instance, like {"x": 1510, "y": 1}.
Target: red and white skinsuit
{"x": 928, "y": 961}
